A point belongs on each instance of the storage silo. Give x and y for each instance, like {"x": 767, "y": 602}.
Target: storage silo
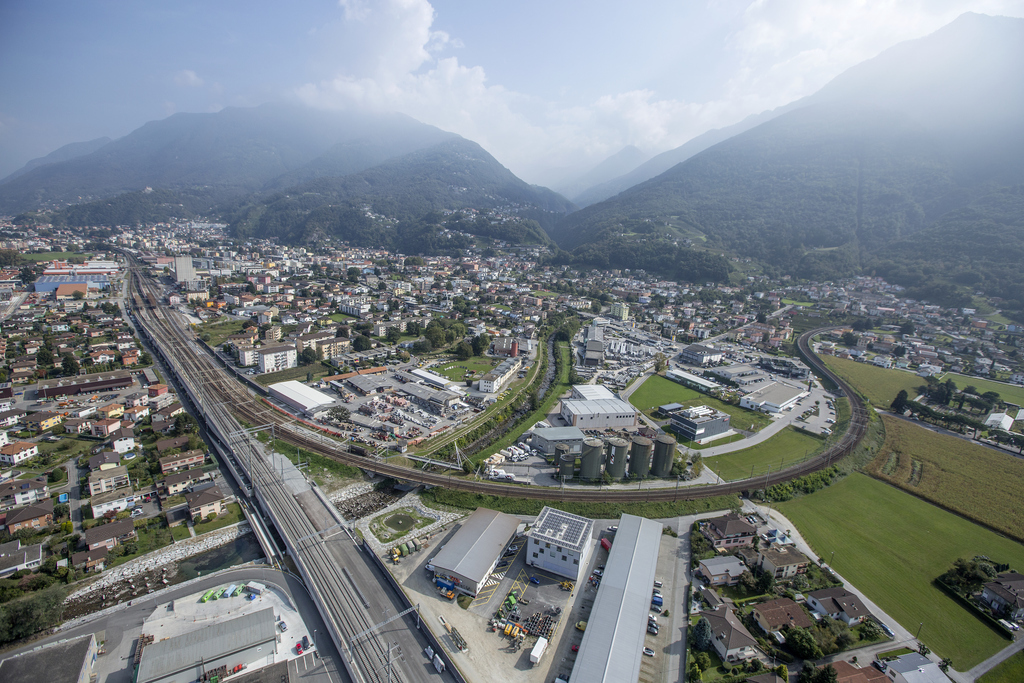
{"x": 664, "y": 456}
{"x": 640, "y": 457}
{"x": 616, "y": 458}
{"x": 566, "y": 461}
{"x": 592, "y": 458}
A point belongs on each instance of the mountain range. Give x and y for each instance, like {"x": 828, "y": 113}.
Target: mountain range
{"x": 892, "y": 167}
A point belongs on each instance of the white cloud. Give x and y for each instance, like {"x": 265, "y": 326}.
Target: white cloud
{"x": 187, "y": 78}
{"x": 781, "y": 50}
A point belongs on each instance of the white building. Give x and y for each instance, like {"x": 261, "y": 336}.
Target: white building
{"x": 113, "y": 501}
{"x": 495, "y": 380}
{"x": 560, "y": 543}
{"x": 999, "y": 421}
{"x": 304, "y": 399}
{"x": 18, "y": 452}
{"x": 247, "y": 355}
{"x": 773, "y": 397}
{"x": 275, "y": 358}
{"x": 611, "y": 413}
{"x": 184, "y": 271}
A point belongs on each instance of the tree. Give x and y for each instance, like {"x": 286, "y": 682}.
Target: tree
{"x": 660, "y": 362}
{"x": 945, "y": 664}
{"x": 907, "y": 328}
{"x": 185, "y": 424}
{"x": 393, "y": 335}
{"x": 69, "y": 365}
{"x": 481, "y": 343}
{"x": 362, "y": 343}
{"x": 464, "y": 350}
{"x": 801, "y": 643}
{"x": 702, "y": 635}
{"x": 353, "y": 274}
{"x": 307, "y": 356}
{"x": 849, "y": 339}
{"x": 899, "y": 404}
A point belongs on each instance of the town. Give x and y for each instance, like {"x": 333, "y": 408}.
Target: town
{"x": 500, "y": 366}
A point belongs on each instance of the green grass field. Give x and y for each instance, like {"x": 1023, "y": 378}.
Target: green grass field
{"x": 51, "y": 255}
{"x": 975, "y": 481}
{"x": 219, "y": 331}
{"x": 297, "y": 373}
{"x": 878, "y": 385}
{"x": 231, "y": 516}
{"x": 657, "y": 391}
{"x": 891, "y": 545}
{"x": 788, "y": 447}
{"x": 1008, "y": 392}
{"x": 1010, "y": 671}
{"x": 457, "y": 370}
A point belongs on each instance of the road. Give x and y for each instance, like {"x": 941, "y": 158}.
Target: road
{"x": 120, "y": 630}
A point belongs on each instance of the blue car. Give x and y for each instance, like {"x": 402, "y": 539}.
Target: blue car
{"x": 534, "y": 579}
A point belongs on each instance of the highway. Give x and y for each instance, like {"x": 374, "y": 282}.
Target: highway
{"x": 346, "y": 585}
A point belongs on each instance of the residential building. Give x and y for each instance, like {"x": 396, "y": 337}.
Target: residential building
{"x": 774, "y": 616}
{"x": 104, "y": 461}
{"x": 15, "y": 557}
{"x": 123, "y": 440}
{"x": 915, "y": 668}
{"x": 111, "y": 410}
{"x": 722, "y": 571}
{"x": 784, "y": 562}
{"x": 34, "y": 516}
{"x": 41, "y": 421}
{"x": 619, "y": 310}
{"x": 202, "y": 504}
{"x": 90, "y": 560}
{"x": 105, "y": 427}
{"x": 184, "y": 460}
{"x": 275, "y": 358}
{"x": 18, "y": 492}
{"x": 18, "y": 452}
{"x": 101, "y": 481}
{"x": 729, "y": 531}
{"x": 560, "y": 542}
{"x": 496, "y": 380}
{"x": 730, "y": 638}
{"x": 838, "y": 603}
{"x": 113, "y": 501}
{"x": 110, "y": 534}
{"x": 1006, "y": 595}
{"x": 179, "y": 482}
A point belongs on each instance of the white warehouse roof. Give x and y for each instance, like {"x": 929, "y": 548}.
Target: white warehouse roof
{"x": 299, "y": 395}
{"x": 474, "y": 548}
{"x": 591, "y": 392}
{"x": 613, "y": 643}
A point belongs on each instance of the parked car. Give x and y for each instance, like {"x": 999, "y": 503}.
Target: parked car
{"x": 581, "y": 626}
{"x": 575, "y": 648}
{"x": 305, "y": 642}
{"x": 137, "y": 512}
{"x": 649, "y": 652}
{"x": 298, "y": 648}
{"x": 284, "y": 626}
{"x": 652, "y": 629}
{"x": 534, "y": 580}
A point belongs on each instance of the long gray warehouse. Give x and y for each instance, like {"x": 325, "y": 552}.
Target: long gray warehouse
{"x": 469, "y": 557}
{"x": 613, "y": 643}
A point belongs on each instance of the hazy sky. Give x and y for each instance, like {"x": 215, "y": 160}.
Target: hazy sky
{"x": 546, "y": 86}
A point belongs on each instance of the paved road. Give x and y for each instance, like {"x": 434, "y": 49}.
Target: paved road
{"x": 121, "y": 629}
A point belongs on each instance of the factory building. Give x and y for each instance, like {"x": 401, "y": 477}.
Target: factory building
{"x": 590, "y": 392}
{"x": 788, "y": 367}
{"x": 773, "y": 398}
{"x": 697, "y": 354}
{"x": 432, "y": 379}
{"x": 66, "y": 661}
{"x": 85, "y": 384}
{"x": 495, "y": 380}
{"x": 50, "y": 283}
{"x": 612, "y": 647}
{"x": 593, "y": 350}
{"x": 546, "y": 438}
{"x": 505, "y": 346}
{"x": 249, "y": 640}
{"x": 611, "y": 413}
{"x": 560, "y": 543}
{"x": 306, "y": 400}
{"x": 470, "y": 556}
{"x": 436, "y": 401}
{"x": 700, "y": 423}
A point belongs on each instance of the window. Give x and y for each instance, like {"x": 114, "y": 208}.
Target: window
{"x": 575, "y": 560}
{"x": 547, "y": 545}
{"x": 536, "y": 542}
{"x": 535, "y": 555}
{"x": 563, "y": 558}
{"x": 558, "y": 548}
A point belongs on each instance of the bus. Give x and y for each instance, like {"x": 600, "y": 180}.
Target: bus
{"x": 208, "y": 595}
{"x": 239, "y": 589}
{"x": 219, "y": 594}
{"x": 230, "y": 591}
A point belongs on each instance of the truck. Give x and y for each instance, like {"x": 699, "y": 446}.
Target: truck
{"x": 606, "y": 544}
{"x": 538, "y": 650}
{"x": 256, "y": 588}
{"x": 404, "y": 548}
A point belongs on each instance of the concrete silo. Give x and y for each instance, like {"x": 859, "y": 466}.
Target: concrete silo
{"x": 565, "y": 460}
{"x": 591, "y": 459}
{"x": 664, "y": 456}
{"x": 640, "y": 457}
{"x": 616, "y": 466}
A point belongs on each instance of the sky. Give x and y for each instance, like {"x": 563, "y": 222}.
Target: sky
{"x": 550, "y": 88}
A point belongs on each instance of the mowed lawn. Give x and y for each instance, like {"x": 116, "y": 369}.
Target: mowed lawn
{"x": 658, "y": 391}
{"x": 788, "y": 447}
{"x": 457, "y": 370}
{"x": 1010, "y": 671}
{"x": 978, "y": 482}
{"x": 879, "y": 385}
{"x": 891, "y": 545}
{"x": 1008, "y": 392}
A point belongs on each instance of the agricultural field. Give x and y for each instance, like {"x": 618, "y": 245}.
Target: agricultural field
{"x": 788, "y": 447}
{"x": 457, "y": 370}
{"x": 878, "y": 385}
{"x": 977, "y": 482}
{"x": 892, "y": 545}
{"x": 658, "y": 391}
{"x": 1008, "y": 392}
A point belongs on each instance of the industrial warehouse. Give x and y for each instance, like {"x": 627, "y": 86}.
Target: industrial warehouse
{"x": 612, "y": 647}
{"x": 466, "y": 561}
{"x": 594, "y": 407}
{"x": 560, "y": 542}
{"x": 306, "y": 400}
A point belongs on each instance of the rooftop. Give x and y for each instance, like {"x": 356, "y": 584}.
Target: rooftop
{"x": 60, "y": 662}
{"x": 472, "y": 550}
{"x": 563, "y": 528}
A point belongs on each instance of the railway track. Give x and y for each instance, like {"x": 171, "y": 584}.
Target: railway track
{"x": 253, "y": 411}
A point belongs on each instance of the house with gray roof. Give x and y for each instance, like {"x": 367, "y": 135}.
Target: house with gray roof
{"x": 722, "y": 571}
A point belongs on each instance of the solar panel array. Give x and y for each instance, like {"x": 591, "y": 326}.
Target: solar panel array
{"x": 563, "y": 528}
